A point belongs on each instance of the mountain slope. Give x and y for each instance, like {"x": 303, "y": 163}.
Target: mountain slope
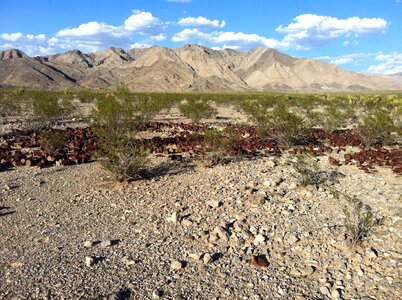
{"x": 189, "y": 68}
{"x": 17, "y": 69}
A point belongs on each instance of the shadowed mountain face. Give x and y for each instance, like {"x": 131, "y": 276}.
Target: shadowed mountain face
{"x": 189, "y": 68}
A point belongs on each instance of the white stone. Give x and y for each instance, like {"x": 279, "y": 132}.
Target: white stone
{"x": 89, "y": 261}
{"x": 259, "y": 238}
{"x": 173, "y": 218}
{"x": 176, "y": 265}
{"x": 88, "y": 244}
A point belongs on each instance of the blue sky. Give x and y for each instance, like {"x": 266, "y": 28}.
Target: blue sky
{"x": 360, "y": 35}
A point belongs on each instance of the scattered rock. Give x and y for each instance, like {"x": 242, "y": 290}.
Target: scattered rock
{"x": 128, "y": 262}
{"x": 106, "y": 243}
{"x": 214, "y": 203}
{"x": 173, "y": 218}
{"x": 195, "y": 256}
{"x": 90, "y": 261}
{"x": 187, "y": 222}
{"x": 324, "y": 290}
{"x": 259, "y": 239}
{"x": 176, "y": 265}
{"x": 88, "y": 244}
{"x": 291, "y": 239}
{"x": 259, "y": 261}
{"x": 307, "y": 271}
{"x": 207, "y": 258}
{"x": 157, "y": 294}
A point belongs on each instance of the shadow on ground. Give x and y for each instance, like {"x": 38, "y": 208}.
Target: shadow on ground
{"x": 169, "y": 168}
{"x": 4, "y": 210}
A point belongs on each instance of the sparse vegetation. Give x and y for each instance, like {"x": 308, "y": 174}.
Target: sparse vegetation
{"x": 197, "y": 110}
{"x": 51, "y": 141}
{"x": 219, "y": 143}
{"x": 116, "y": 117}
{"x": 308, "y": 171}
{"x": 376, "y": 128}
{"x": 359, "y": 218}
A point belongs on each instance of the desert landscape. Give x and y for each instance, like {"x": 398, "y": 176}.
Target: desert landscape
{"x": 200, "y": 195}
{"x": 169, "y": 155}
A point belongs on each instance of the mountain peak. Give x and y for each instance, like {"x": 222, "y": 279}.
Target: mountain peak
{"x": 12, "y": 54}
{"x": 191, "y": 67}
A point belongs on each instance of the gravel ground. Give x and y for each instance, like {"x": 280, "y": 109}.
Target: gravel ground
{"x": 190, "y": 233}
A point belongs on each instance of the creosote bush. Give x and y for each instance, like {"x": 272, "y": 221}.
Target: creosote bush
{"x": 197, "y": 110}
{"x": 218, "y": 142}
{"x": 359, "y": 218}
{"x": 288, "y": 127}
{"x": 51, "y": 141}
{"x": 117, "y": 117}
{"x": 376, "y": 128}
{"x": 309, "y": 173}
{"x": 47, "y": 109}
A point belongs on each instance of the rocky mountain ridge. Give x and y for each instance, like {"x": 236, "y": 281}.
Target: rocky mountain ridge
{"x": 189, "y": 68}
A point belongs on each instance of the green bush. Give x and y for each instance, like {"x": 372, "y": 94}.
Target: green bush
{"x": 376, "y": 128}
{"x": 359, "y": 219}
{"x": 51, "y": 141}
{"x": 218, "y": 144}
{"x": 115, "y": 119}
{"x": 197, "y": 110}
{"x": 288, "y": 127}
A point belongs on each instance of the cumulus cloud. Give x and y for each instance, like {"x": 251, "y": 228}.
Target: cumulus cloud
{"x": 200, "y": 22}
{"x": 306, "y": 32}
{"x": 29, "y": 43}
{"x": 311, "y": 31}
{"x": 355, "y": 59}
{"x": 143, "y": 28}
{"x": 234, "y": 40}
{"x": 91, "y": 36}
{"x": 94, "y": 36}
{"x": 389, "y": 63}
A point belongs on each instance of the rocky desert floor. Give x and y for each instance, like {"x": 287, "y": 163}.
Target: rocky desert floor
{"x": 246, "y": 230}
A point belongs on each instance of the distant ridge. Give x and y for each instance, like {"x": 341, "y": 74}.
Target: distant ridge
{"x": 189, "y": 68}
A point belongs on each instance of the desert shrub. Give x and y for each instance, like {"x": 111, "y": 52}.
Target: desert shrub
{"x": 87, "y": 96}
{"x": 288, "y": 127}
{"x": 218, "y": 144}
{"x": 120, "y": 152}
{"x": 47, "y": 109}
{"x": 51, "y": 141}
{"x": 258, "y": 113}
{"x": 331, "y": 119}
{"x": 376, "y": 128}
{"x": 197, "y": 110}
{"x": 122, "y": 155}
{"x": 359, "y": 218}
{"x": 309, "y": 173}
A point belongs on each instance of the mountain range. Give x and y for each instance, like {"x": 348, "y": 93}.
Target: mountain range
{"x": 189, "y": 68}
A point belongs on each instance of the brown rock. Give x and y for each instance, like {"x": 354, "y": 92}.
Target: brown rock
{"x": 259, "y": 261}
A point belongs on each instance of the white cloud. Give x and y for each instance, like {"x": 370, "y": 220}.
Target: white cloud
{"x": 95, "y": 36}
{"x": 140, "y": 45}
{"x": 355, "y": 58}
{"x": 311, "y": 31}
{"x": 389, "y": 63}
{"x": 201, "y": 22}
{"x": 142, "y": 28}
{"x": 143, "y": 23}
{"x": 238, "y": 40}
{"x": 11, "y": 36}
{"x": 31, "y": 44}
{"x": 342, "y": 61}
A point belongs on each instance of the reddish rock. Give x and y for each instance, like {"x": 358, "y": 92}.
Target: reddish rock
{"x": 259, "y": 261}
